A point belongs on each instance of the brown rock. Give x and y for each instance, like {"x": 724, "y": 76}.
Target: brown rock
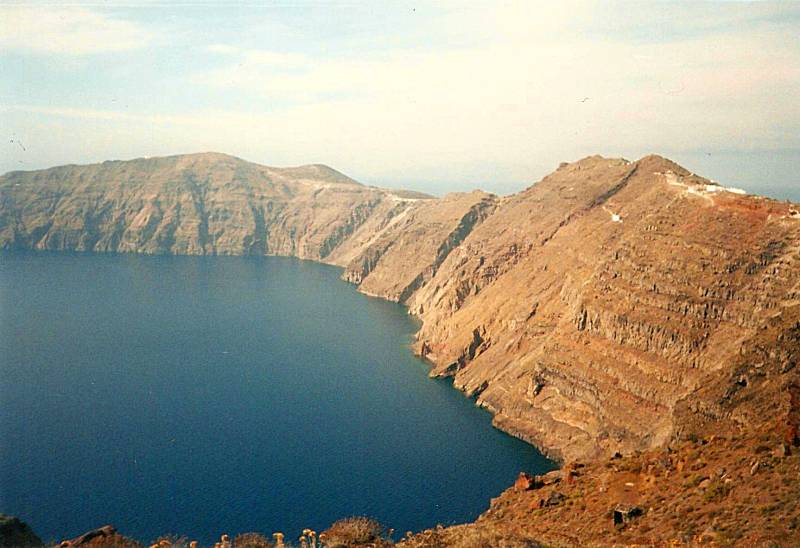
{"x": 525, "y": 482}
{"x": 783, "y": 450}
{"x": 550, "y": 477}
{"x": 99, "y": 536}
{"x": 555, "y": 498}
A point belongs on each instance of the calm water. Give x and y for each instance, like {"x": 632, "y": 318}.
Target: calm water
{"x": 207, "y": 395}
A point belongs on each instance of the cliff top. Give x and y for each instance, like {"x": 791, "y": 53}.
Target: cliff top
{"x": 208, "y": 162}
{"x": 200, "y": 161}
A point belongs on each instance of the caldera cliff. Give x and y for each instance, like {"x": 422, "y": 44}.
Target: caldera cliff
{"x": 602, "y": 310}
{"x": 632, "y": 316}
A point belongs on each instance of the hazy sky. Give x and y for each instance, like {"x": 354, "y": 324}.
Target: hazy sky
{"x": 432, "y": 96}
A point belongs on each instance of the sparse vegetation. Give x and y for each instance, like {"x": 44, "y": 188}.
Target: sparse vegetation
{"x": 355, "y": 531}
{"x": 252, "y": 540}
{"x": 169, "y": 541}
{"x": 716, "y": 491}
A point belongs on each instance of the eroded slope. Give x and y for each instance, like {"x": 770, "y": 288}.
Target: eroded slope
{"x": 586, "y": 307}
{"x": 193, "y": 204}
{"x": 585, "y": 312}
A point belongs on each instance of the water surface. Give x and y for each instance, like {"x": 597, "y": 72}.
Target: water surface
{"x": 201, "y": 395}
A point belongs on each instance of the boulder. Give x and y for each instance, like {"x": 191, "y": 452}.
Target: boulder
{"x": 95, "y": 536}
{"x": 555, "y": 499}
{"x": 783, "y": 450}
{"x": 551, "y": 477}
{"x": 624, "y": 513}
{"x": 525, "y": 482}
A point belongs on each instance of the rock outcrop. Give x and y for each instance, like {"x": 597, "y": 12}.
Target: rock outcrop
{"x": 687, "y": 494}
{"x": 15, "y": 533}
{"x": 106, "y": 536}
{"x": 611, "y": 307}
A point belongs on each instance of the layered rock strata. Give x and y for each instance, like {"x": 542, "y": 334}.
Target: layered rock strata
{"x": 601, "y": 310}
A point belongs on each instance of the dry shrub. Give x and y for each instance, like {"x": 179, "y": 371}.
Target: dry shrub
{"x": 355, "y": 531}
{"x": 468, "y": 536}
{"x": 112, "y": 541}
{"x": 716, "y": 491}
{"x": 171, "y": 541}
{"x": 252, "y": 540}
{"x": 482, "y": 538}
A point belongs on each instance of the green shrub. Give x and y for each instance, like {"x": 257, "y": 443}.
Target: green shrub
{"x": 716, "y": 491}
{"x": 695, "y": 480}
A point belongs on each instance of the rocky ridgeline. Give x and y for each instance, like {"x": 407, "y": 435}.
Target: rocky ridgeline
{"x": 590, "y": 313}
{"x": 586, "y": 308}
{"x": 194, "y": 204}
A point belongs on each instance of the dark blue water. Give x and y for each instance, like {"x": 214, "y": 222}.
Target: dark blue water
{"x": 208, "y": 395}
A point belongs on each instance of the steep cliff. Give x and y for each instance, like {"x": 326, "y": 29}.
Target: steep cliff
{"x": 586, "y": 307}
{"x": 194, "y": 204}
{"x": 728, "y": 476}
{"x": 605, "y": 309}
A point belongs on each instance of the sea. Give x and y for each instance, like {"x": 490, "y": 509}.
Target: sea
{"x": 200, "y": 396}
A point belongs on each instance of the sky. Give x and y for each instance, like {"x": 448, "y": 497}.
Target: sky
{"x": 438, "y": 97}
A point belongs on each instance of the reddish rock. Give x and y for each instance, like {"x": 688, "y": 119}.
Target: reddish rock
{"x": 90, "y": 536}
{"x": 525, "y": 482}
{"x": 102, "y": 536}
{"x": 550, "y": 478}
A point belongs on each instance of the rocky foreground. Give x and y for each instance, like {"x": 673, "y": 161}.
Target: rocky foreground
{"x": 616, "y": 314}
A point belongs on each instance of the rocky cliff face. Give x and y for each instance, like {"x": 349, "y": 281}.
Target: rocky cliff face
{"x": 604, "y": 309}
{"x": 194, "y": 204}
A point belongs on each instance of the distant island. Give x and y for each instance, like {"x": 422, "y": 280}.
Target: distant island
{"x": 636, "y": 322}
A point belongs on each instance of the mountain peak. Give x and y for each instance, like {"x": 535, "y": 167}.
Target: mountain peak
{"x": 319, "y": 172}
{"x": 205, "y": 158}
{"x": 655, "y": 163}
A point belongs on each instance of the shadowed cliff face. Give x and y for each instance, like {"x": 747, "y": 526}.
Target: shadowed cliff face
{"x": 591, "y": 313}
